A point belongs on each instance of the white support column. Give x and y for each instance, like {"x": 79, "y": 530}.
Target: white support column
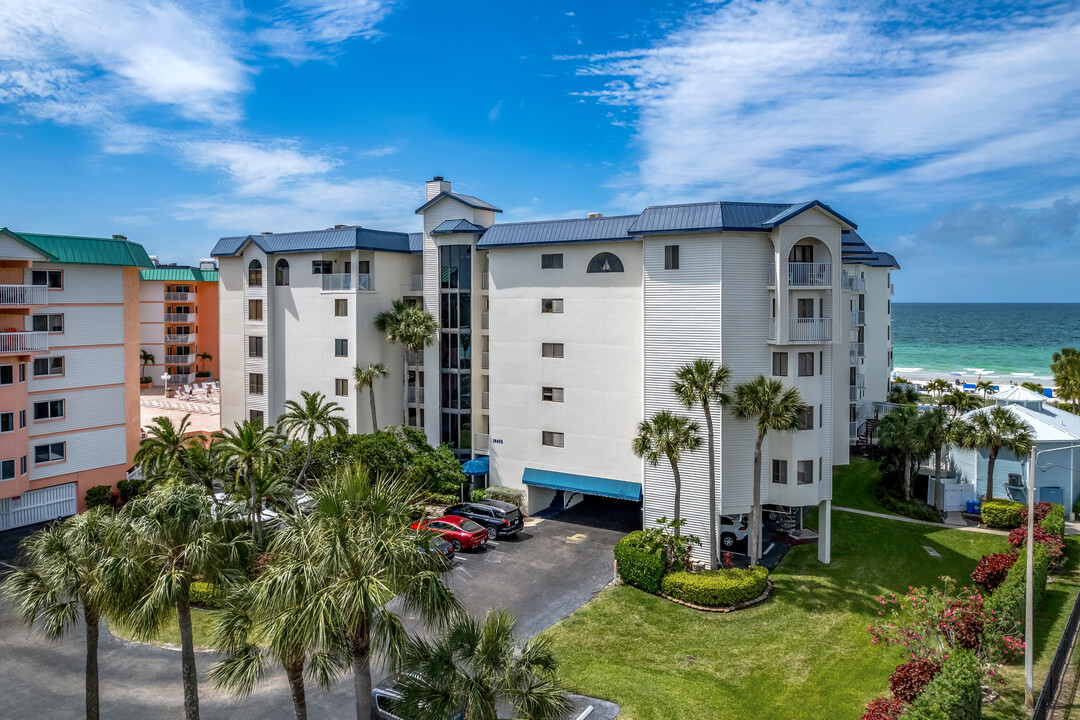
{"x": 824, "y": 549}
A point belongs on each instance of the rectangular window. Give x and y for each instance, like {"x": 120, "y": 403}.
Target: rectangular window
{"x": 22, "y": 465}
{"x": 552, "y": 439}
{"x": 257, "y": 417}
{"x": 821, "y": 415}
{"x": 22, "y": 419}
{"x": 551, "y": 305}
{"x": 48, "y": 366}
{"x": 52, "y": 279}
{"x": 322, "y": 267}
{"x": 48, "y": 323}
{"x": 888, "y": 332}
{"x": 551, "y": 261}
{"x": 671, "y": 257}
{"x": 7, "y": 469}
{"x": 806, "y": 472}
{"x": 255, "y": 383}
{"x": 806, "y": 364}
{"x": 779, "y": 364}
{"x": 806, "y": 307}
{"x": 22, "y": 372}
{"x": 50, "y": 452}
{"x": 341, "y": 348}
{"x": 552, "y": 350}
{"x": 552, "y": 394}
{"x": 7, "y": 374}
{"x": 341, "y": 308}
{"x": 779, "y": 472}
{"x": 255, "y": 346}
{"x": 255, "y": 310}
{"x": 341, "y": 387}
{"x": 7, "y": 422}
{"x": 807, "y": 420}
{"x": 49, "y": 410}
{"x": 888, "y": 308}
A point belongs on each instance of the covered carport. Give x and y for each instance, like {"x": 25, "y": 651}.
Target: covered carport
{"x": 585, "y": 499}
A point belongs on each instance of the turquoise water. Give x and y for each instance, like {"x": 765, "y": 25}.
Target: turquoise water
{"x": 1005, "y": 338}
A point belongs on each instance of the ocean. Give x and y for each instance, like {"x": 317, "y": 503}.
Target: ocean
{"x": 1002, "y": 339}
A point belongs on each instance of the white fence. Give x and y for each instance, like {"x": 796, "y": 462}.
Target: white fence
{"x": 24, "y": 295}
{"x": 15, "y": 342}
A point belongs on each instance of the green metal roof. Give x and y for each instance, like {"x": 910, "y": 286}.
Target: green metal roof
{"x": 70, "y": 249}
{"x": 179, "y": 274}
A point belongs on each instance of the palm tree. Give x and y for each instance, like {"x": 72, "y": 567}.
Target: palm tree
{"x": 251, "y": 447}
{"x": 984, "y": 387}
{"x": 162, "y": 452}
{"x": 476, "y": 665}
{"x": 995, "y": 430}
{"x": 413, "y": 328}
{"x": 1066, "y": 369}
{"x": 960, "y": 402}
{"x": 360, "y": 554}
{"x": 900, "y": 432}
{"x": 316, "y": 415}
{"x": 938, "y": 431}
{"x": 174, "y": 539}
{"x": 668, "y": 435}
{"x": 938, "y": 387}
{"x": 69, "y": 568}
{"x": 205, "y": 356}
{"x": 701, "y": 382}
{"x": 147, "y": 358}
{"x": 1033, "y": 387}
{"x": 206, "y": 464}
{"x": 366, "y": 377}
{"x": 770, "y": 406}
{"x": 903, "y": 395}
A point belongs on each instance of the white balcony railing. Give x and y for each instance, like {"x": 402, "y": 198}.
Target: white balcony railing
{"x": 24, "y": 295}
{"x": 179, "y": 297}
{"x": 485, "y": 400}
{"x": 484, "y": 361}
{"x": 892, "y": 289}
{"x": 856, "y": 351}
{"x": 416, "y": 283}
{"x": 484, "y": 281}
{"x": 854, "y": 393}
{"x": 803, "y": 274}
{"x": 337, "y": 281}
{"x": 415, "y": 393}
{"x": 860, "y": 380}
{"x": 179, "y": 317}
{"x": 179, "y": 339}
{"x": 480, "y": 442}
{"x": 858, "y": 317}
{"x": 810, "y": 329}
{"x": 24, "y": 342}
{"x": 852, "y": 283}
{"x": 179, "y": 359}
{"x": 414, "y": 359}
{"x": 484, "y": 320}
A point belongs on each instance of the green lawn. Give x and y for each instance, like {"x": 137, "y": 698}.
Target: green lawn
{"x": 803, "y": 654}
{"x": 853, "y": 486}
{"x": 202, "y": 626}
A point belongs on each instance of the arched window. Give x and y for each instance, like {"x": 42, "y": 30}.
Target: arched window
{"x": 605, "y": 262}
{"x": 281, "y": 272}
{"x": 254, "y": 273}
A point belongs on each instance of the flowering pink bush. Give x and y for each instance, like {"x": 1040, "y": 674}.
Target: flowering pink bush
{"x": 1055, "y": 546}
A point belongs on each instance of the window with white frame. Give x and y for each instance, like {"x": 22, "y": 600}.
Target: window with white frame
{"x": 48, "y": 410}
{"x": 341, "y": 387}
{"x": 50, "y": 452}
{"x": 806, "y": 472}
{"x": 552, "y": 394}
{"x": 7, "y": 422}
{"x": 49, "y": 366}
{"x": 552, "y": 439}
{"x": 7, "y": 469}
{"x": 52, "y": 279}
{"x": 551, "y": 305}
{"x": 779, "y": 472}
{"x": 551, "y": 261}
{"x": 53, "y": 323}
{"x": 7, "y": 374}
{"x": 552, "y": 350}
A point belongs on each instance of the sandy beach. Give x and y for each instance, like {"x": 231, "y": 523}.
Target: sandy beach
{"x": 972, "y": 375}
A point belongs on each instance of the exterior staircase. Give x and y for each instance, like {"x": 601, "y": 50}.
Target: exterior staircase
{"x": 865, "y": 438}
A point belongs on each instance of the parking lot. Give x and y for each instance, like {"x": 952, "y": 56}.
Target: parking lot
{"x": 545, "y": 572}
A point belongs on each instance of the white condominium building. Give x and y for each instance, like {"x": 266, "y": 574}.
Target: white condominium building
{"x": 558, "y": 337}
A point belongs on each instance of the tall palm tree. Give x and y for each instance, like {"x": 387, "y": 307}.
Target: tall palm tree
{"x": 668, "y": 435}
{"x": 1066, "y": 369}
{"x": 901, "y": 433}
{"x": 413, "y": 328}
{"x": 360, "y": 554}
{"x": 174, "y": 539}
{"x": 146, "y": 358}
{"x": 995, "y": 430}
{"x": 316, "y": 415}
{"x": 903, "y": 395}
{"x": 476, "y": 665}
{"x": 1032, "y": 386}
{"x": 771, "y": 407}
{"x": 938, "y": 431}
{"x": 960, "y": 402}
{"x": 205, "y": 356}
{"x": 701, "y": 382}
{"x": 68, "y": 569}
{"x": 251, "y": 447}
{"x": 206, "y": 464}
{"x": 938, "y": 387}
{"x": 366, "y": 377}
{"x": 162, "y": 452}
{"x": 984, "y": 387}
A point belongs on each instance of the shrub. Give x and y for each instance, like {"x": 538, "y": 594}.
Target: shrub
{"x": 131, "y": 489}
{"x": 206, "y": 595}
{"x": 443, "y": 498}
{"x": 635, "y": 565}
{"x": 955, "y": 694}
{"x": 100, "y": 496}
{"x": 992, "y": 569}
{"x": 145, "y": 379}
{"x": 887, "y": 495}
{"x": 716, "y": 588}
{"x": 478, "y": 494}
{"x": 1041, "y": 511}
{"x": 1004, "y": 514}
{"x": 1054, "y": 521}
{"x": 1076, "y": 508}
{"x": 909, "y": 680}
{"x": 1007, "y": 602}
{"x": 1055, "y": 546}
{"x": 203, "y": 373}
{"x": 884, "y": 709}
{"x": 507, "y": 495}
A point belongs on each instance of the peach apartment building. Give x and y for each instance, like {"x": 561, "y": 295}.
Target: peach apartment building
{"x": 178, "y": 320}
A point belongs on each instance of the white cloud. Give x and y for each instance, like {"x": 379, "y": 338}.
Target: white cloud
{"x": 783, "y": 98}
{"x": 255, "y": 167}
{"x": 494, "y": 113}
{"x": 379, "y": 151}
{"x": 989, "y": 230}
{"x": 304, "y": 28}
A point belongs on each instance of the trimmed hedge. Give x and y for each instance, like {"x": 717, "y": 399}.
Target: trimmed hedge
{"x": 635, "y": 566}
{"x": 205, "y": 595}
{"x": 478, "y": 494}
{"x": 954, "y": 694}
{"x": 1004, "y": 514}
{"x": 716, "y": 588}
{"x": 1007, "y": 602}
{"x": 1054, "y": 522}
{"x": 507, "y": 495}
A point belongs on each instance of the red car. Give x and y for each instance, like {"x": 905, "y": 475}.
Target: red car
{"x": 458, "y": 531}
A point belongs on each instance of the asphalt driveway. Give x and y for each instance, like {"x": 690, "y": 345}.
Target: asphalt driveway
{"x": 547, "y": 571}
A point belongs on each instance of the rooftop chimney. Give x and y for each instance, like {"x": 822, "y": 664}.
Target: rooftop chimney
{"x": 119, "y": 237}
{"x": 595, "y": 215}
{"x": 208, "y": 264}
{"x": 434, "y": 186}
{"x": 154, "y": 259}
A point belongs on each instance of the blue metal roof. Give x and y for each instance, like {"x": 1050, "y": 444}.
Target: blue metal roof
{"x": 605, "y": 487}
{"x": 350, "y": 238}
{"x": 449, "y": 227}
{"x": 416, "y": 242}
{"x": 856, "y": 251}
{"x": 721, "y": 216}
{"x": 473, "y": 202}
{"x": 574, "y": 230}
{"x": 794, "y": 210}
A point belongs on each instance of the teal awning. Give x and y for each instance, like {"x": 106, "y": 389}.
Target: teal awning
{"x": 618, "y": 489}
{"x": 479, "y": 466}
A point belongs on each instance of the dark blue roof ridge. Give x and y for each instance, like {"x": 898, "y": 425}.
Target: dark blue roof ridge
{"x": 348, "y": 238}
{"x": 470, "y": 200}
{"x": 461, "y": 225}
{"x": 798, "y": 209}
{"x": 566, "y": 220}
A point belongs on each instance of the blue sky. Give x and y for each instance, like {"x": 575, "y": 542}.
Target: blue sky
{"x": 949, "y": 131}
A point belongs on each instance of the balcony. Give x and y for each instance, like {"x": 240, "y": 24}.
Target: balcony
{"x": 413, "y": 394}
{"x": 179, "y": 297}
{"x": 179, "y": 339}
{"x": 179, "y": 317}
{"x": 484, "y": 281}
{"x": 24, "y": 342}
{"x": 23, "y": 295}
{"x": 856, "y": 351}
{"x": 414, "y": 359}
{"x": 854, "y": 393}
{"x": 805, "y": 329}
{"x": 416, "y": 283}
{"x": 481, "y": 441}
{"x": 484, "y": 361}
{"x": 858, "y": 317}
{"x": 338, "y": 282}
{"x": 892, "y": 289}
{"x": 484, "y": 321}
{"x": 485, "y": 401}
{"x": 852, "y": 283}
{"x": 179, "y": 359}
{"x": 803, "y": 274}
{"x": 853, "y": 430}
{"x": 860, "y": 380}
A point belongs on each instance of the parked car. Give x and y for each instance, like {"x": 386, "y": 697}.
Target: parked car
{"x": 733, "y": 531}
{"x": 441, "y": 546}
{"x": 500, "y": 518}
{"x": 382, "y": 697}
{"x": 460, "y": 532}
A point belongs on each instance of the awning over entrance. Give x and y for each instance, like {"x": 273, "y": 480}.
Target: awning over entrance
{"x": 479, "y": 466}
{"x": 618, "y": 489}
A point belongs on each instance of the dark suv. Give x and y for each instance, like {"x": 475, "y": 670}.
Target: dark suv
{"x": 500, "y": 518}
{"x": 383, "y": 697}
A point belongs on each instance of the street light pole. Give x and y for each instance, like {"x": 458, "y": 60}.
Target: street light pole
{"x": 165, "y": 376}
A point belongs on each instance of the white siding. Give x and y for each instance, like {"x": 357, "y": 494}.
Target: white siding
{"x": 85, "y": 451}
{"x": 85, "y": 283}
{"x": 85, "y": 324}
{"x": 257, "y": 327}
{"x": 83, "y": 409}
{"x": 233, "y": 342}
{"x": 83, "y": 367}
{"x": 12, "y": 249}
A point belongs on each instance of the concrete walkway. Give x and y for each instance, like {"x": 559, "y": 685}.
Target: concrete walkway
{"x": 942, "y": 526}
